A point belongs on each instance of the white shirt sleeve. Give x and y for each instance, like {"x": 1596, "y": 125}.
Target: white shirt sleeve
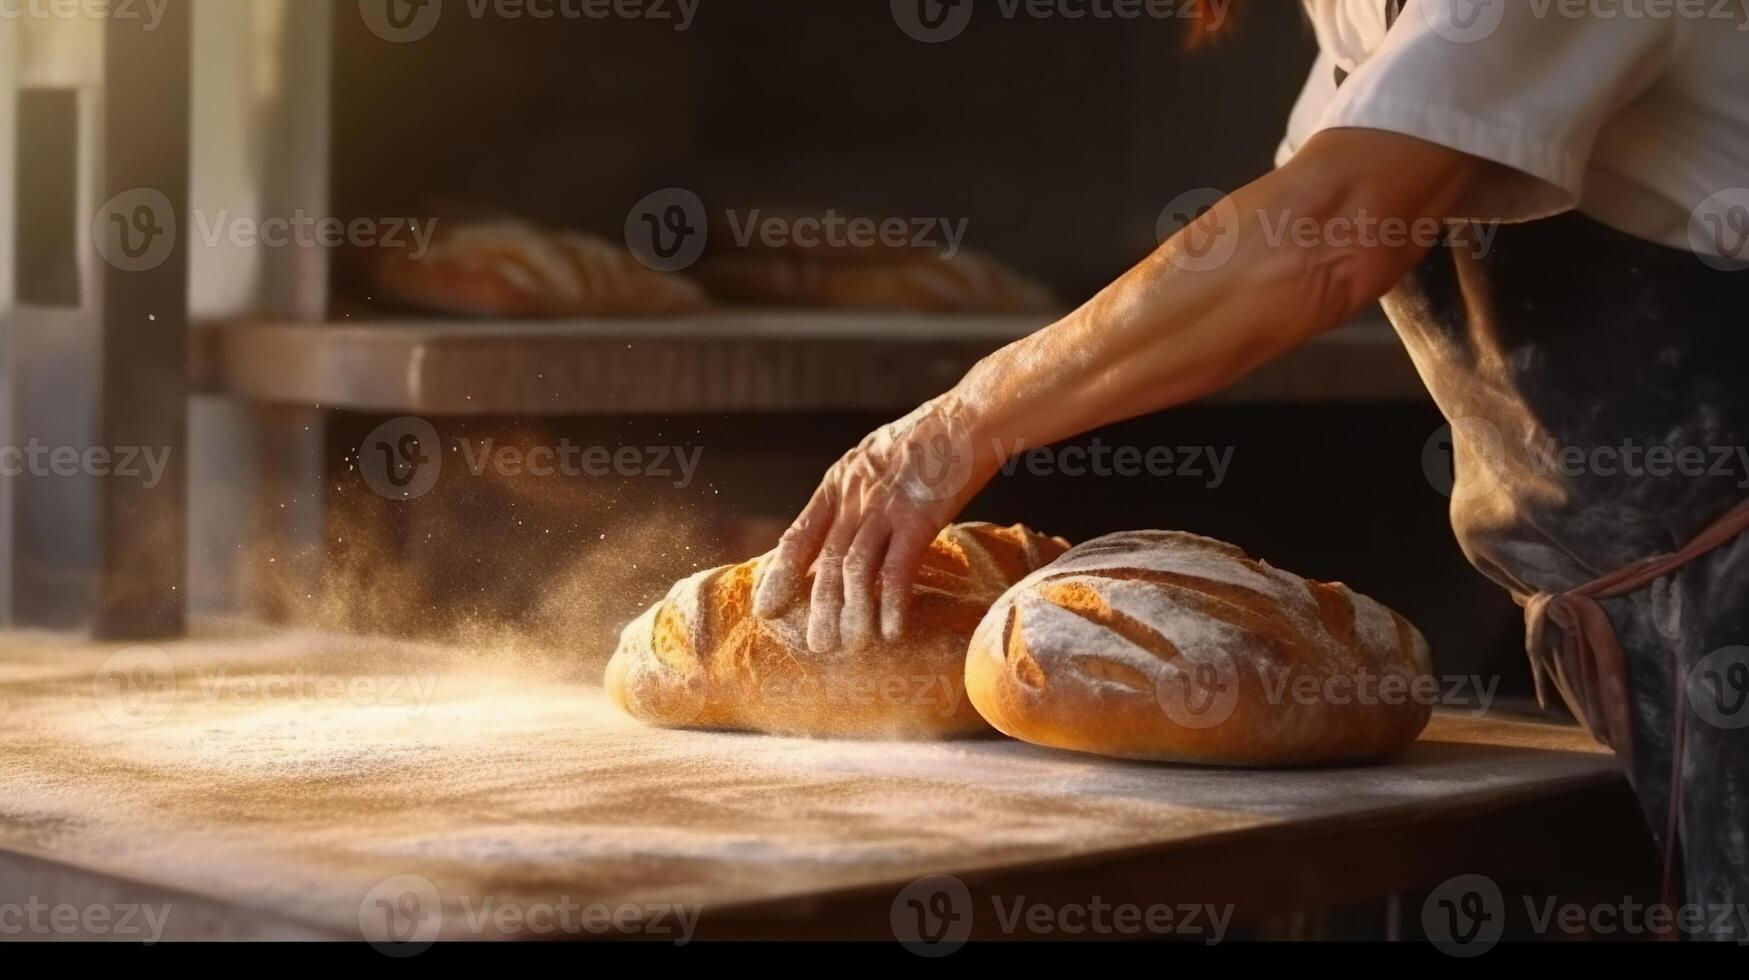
{"x": 1314, "y": 99}
{"x": 1498, "y": 80}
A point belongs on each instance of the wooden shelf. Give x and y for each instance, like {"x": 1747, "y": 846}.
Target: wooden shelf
{"x": 739, "y": 361}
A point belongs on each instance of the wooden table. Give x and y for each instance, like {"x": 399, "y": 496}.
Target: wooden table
{"x": 280, "y": 778}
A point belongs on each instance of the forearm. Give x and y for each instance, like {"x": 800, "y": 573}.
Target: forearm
{"x": 1178, "y": 327}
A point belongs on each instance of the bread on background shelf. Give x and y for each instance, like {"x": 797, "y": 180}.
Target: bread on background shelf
{"x": 513, "y": 269}
{"x": 831, "y": 259}
{"x": 926, "y": 282}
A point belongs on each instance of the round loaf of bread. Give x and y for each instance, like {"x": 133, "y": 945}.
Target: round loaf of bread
{"x": 700, "y": 658}
{"x": 1169, "y": 646}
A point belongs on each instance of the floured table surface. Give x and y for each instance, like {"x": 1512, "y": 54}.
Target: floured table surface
{"x": 292, "y": 773}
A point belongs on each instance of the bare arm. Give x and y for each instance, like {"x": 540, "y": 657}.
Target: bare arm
{"x": 1172, "y": 329}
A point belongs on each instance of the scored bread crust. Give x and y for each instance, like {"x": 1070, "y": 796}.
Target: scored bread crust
{"x": 513, "y": 269}
{"x": 1169, "y": 646}
{"x": 700, "y": 658}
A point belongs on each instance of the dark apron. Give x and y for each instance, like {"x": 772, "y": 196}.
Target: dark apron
{"x": 1565, "y": 353}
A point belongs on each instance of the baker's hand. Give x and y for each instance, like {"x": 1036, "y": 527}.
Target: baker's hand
{"x": 868, "y": 526}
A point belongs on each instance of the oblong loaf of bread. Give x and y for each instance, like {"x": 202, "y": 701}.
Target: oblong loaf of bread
{"x": 514, "y": 269}
{"x": 970, "y": 282}
{"x": 1169, "y": 646}
{"x": 700, "y": 658}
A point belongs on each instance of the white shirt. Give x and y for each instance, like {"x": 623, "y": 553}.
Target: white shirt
{"x": 1639, "y": 120}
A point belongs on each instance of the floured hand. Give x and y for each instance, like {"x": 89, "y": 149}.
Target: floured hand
{"x": 867, "y": 527}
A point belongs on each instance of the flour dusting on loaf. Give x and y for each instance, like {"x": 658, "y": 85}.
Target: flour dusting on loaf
{"x": 1166, "y": 645}
{"x": 701, "y": 659}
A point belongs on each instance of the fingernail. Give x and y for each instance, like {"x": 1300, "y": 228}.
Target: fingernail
{"x": 822, "y": 635}
{"x": 853, "y": 632}
{"x": 891, "y": 627}
{"x": 767, "y": 597}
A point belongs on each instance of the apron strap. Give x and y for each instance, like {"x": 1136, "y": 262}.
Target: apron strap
{"x": 1589, "y": 669}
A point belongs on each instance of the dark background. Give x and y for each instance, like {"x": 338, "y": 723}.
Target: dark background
{"x": 1059, "y": 141}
